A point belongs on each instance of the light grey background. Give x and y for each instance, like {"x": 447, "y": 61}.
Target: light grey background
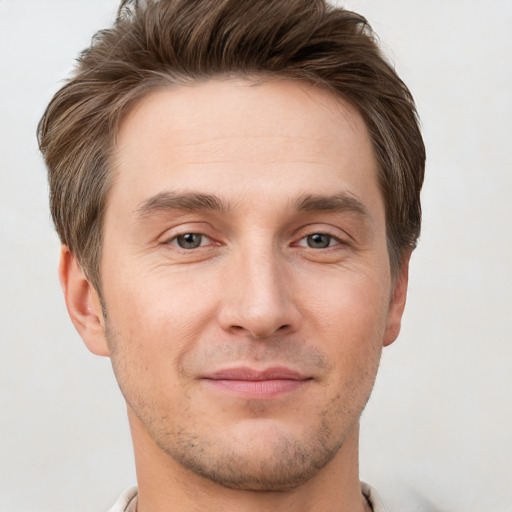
{"x": 438, "y": 427}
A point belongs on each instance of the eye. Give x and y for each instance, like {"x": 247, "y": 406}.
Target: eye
{"x": 319, "y": 241}
{"x": 190, "y": 240}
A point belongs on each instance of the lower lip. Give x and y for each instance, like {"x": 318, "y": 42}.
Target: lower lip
{"x": 257, "y": 389}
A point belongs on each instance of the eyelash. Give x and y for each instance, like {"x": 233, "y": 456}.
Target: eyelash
{"x": 205, "y": 240}
{"x": 309, "y": 238}
{"x": 176, "y": 240}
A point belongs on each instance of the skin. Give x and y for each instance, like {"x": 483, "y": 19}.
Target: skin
{"x": 291, "y": 271}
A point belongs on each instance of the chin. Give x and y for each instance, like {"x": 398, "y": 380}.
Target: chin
{"x": 269, "y": 460}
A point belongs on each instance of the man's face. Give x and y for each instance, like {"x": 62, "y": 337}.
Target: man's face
{"x": 246, "y": 277}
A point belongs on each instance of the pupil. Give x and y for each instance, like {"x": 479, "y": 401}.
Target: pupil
{"x": 189, "y": 241}
{"x": 319, "y": 241}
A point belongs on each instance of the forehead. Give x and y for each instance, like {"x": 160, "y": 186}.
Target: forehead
{"x": 277, "y": 137}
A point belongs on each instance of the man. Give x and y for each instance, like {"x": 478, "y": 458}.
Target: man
{"x": 236, "y": 187}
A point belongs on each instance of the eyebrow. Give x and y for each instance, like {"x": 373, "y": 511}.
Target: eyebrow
{"x": 190, "y": 201}
{"x": 341, "y": 202}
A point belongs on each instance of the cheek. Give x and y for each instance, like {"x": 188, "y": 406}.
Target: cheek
{"x": 349, "y": 317}
{"x": 153, "y": 321}
{"x": 350, "y": 303}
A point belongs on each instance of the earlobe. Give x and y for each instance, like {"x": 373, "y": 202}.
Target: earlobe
{"x": 397, "y": 303}
{"x": 83, "y": 303}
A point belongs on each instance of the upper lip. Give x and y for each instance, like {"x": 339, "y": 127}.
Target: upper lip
{"x": 250, "y": 374}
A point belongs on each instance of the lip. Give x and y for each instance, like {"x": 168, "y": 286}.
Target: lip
{"x": 256, "y": 384}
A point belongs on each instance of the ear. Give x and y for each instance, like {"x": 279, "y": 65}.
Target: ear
{"x": 397, "y": 302}
{"x": 83, "y": 303}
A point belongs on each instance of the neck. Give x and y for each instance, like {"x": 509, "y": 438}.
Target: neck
{"x": 166, "y": 485}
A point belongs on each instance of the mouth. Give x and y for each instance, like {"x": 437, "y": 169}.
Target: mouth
{"x": 256, "y": 384}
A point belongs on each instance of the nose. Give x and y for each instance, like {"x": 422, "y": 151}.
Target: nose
{"x": 258, "y": 298}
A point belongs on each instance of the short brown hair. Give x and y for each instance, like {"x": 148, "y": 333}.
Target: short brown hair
{"x": 157, "y": 43}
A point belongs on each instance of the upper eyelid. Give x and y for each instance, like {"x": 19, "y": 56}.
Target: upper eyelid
{"x": 199, "y": 228}
{"x": 325, "y": 229}
{"x": 210, "y": 232}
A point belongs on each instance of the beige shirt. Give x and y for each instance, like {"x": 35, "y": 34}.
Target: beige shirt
{"x": 127, "y": 502}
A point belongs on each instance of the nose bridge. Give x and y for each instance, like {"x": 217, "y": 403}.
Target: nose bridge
{"x": 258, "y": 299}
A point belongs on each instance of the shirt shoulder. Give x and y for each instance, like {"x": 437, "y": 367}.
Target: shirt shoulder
{"x": 373, "y": 498}
{"x": 127, "y": 502}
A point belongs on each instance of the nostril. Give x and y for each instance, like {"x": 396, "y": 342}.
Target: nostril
{"x": 239, "y": 329}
